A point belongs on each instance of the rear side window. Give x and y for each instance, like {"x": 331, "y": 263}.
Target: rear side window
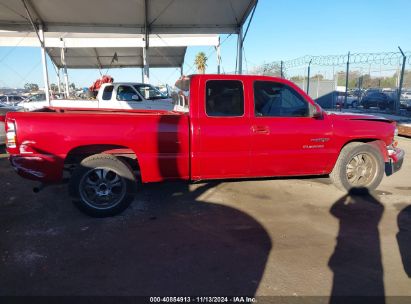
{"x": 224, "y": 98}
{"x": 108, "y": 91}
{"x": 274, "y": 99}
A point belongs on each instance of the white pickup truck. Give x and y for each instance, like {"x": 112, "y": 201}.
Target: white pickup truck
{"x": 124, "y": 95}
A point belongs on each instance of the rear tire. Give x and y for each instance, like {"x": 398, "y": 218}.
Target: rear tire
{"x": 102, "y": 185}
{"x": 359, "y": 165}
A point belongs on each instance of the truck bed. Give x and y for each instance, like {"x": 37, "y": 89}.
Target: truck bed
{"x": 159, "y": 140}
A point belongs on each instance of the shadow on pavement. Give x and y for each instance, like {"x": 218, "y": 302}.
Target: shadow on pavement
{"x": 404, "y": 238}
{"x": 170, "y": 242}
{"x": 356, "y": 261}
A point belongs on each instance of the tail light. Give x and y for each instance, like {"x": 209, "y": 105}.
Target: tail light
{"x": 2, "y": 118}
{"x": 11, "y": 137}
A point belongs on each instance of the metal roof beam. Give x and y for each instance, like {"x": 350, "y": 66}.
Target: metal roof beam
{"x": 252, "y": 6}
{"x": 28, "y": 5}
{"x": 125, "y": 29}
{"x": 98, "y": 59}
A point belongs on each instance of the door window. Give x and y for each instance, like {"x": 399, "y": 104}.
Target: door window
{"x": 224, "y": 98}
{"x": 274, "y": 99}
{"x": 149, "y": 92}
{"x": 126, "y": 93}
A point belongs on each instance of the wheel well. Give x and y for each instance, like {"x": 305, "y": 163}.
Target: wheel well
{"x": 377, "y": 143}
{"x": 361, "y": 140}
{"x": 76, "y": 155}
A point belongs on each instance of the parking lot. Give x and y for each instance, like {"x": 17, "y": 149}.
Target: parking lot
{"x": 265, "y": 238}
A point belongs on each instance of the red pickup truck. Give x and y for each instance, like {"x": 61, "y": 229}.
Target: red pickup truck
{"x": 237, "y": 126}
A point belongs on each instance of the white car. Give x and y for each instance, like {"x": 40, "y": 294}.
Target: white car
{"x": 2, "y": 131}
{"x": 406, "y": 95}
{"x": 11, "y": 99}
{"x": 111, "y": 96}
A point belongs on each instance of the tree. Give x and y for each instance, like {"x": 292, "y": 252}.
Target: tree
{"x": 72, "y": 86}
{"x": 54, "y": 87}
{"x": 201, "y": 62}
{"x": 31, "y": 87}
{"x": 268, "y": 69}
{"x": 297, "y": 78}
{"x": 317, "y": 76}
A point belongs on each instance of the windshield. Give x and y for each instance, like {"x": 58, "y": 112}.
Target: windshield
{"x": 149, "y": 92}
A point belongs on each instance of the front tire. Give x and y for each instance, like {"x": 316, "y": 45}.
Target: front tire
{"x": 102, "y": 185}
{"x": 359, "y": 165}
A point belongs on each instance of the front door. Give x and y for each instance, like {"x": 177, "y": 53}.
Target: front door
{"x": 285, "y": 139}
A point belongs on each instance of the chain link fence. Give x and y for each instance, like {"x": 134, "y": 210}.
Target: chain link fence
{"x": 370, "y": 82}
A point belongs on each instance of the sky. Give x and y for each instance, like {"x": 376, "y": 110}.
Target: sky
{"x": 280, "y": 30}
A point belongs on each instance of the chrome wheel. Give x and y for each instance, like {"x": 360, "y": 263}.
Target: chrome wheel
{"x": 102, "y": 188}
{"x": 361, "y": 170}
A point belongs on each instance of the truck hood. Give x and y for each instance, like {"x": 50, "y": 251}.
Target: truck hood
{"x": 358, "y": 116}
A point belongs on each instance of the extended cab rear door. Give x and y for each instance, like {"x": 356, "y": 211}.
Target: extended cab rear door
{"x": 286, "y": 140}
{"x": 220, "y": 129}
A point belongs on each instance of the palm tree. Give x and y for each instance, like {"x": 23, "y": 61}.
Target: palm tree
{"x": 201, "y": 62}
{"x": 54, "y": 87}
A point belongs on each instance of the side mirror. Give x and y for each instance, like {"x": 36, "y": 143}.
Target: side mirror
{"x": 315, "y": 111}
{"x": 135, "y": 98}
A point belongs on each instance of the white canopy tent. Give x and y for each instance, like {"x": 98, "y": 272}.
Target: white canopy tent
{"x": 128, "y": 16}
{"x": 138, "y": 17}
{"x": 104, "y": 51}
{"x": 105, "y": 58}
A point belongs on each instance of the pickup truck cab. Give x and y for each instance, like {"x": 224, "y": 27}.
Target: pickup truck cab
{"x": 132, "y": 96}
{"x": 237, "y": 126}
{"x": 125, "y": 95}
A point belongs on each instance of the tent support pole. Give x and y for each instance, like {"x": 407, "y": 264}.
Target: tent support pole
{"x": 146, "y": 68}
{"x": 58, "y": 80}
{"x": 218, "y": 56}
{"x": 44, "y": 64}
{"x": 63, "y": 61}
{"x": 240, "y": 50}
{"x": 66, "y": 82}
{"x": 40, "y": 35}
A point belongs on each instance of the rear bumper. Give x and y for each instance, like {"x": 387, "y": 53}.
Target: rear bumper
{"x": 396, "y": 158}
{"x": 44, "y": 168}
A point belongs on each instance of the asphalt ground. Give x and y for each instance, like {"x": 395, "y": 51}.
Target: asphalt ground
{"x": 280, "y": 237}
